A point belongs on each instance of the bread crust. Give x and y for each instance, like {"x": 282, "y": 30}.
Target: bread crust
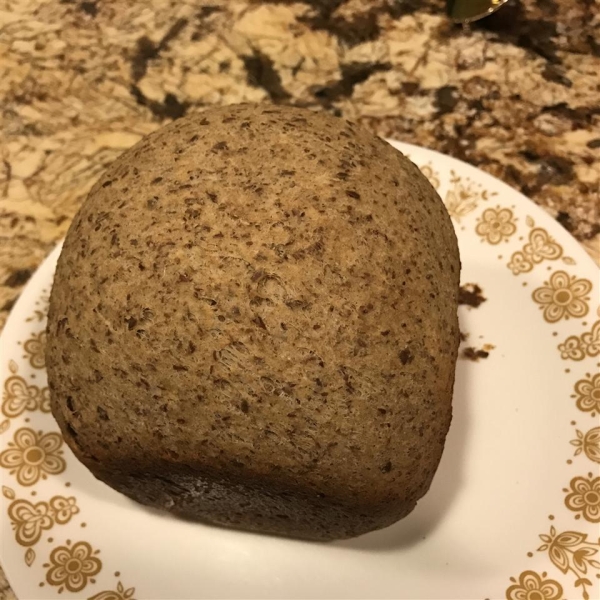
{"x": 254, "y": 323}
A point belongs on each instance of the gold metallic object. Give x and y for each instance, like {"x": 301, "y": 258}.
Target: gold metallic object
{"x": 467, "y": 11}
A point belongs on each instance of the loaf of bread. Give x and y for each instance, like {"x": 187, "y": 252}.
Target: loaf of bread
{"x": 254, "y": 324}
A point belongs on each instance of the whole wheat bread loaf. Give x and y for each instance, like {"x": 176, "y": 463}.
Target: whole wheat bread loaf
{"x": 253, "y": 324}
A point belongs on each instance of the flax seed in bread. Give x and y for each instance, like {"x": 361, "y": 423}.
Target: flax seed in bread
{"x": 253, "y": 324}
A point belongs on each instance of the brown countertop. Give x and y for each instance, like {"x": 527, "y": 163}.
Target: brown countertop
{"x": 516, "y": 95}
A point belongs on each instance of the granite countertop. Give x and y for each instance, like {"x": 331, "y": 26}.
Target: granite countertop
{"x": 82, "y": 80}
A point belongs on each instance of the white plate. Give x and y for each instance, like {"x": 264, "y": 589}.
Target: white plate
{"x": 514, "y": 509}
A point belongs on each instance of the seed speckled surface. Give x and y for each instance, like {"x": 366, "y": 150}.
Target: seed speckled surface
{"x": 254, "y": 323}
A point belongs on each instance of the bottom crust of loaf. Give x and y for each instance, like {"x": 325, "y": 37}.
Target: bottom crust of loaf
{"x": 296, "y": 514}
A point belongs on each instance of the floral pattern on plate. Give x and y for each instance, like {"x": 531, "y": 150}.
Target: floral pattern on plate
{"x": 541, "y": 269}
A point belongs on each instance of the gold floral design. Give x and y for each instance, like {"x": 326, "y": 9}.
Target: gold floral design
{"x": 570, "y": 551}
{"x": 495, "y": 225}
{"x": 432, "y": 176}
{"x": 588, "y": 443}
{"x": 590, "y": 341}
{"x": 29, "y": 556}
{"x": 541, "y": 246}
{"x": 584, "y": 498}
{"x": 463, "y": 198}
{"x": 72, "y": 568}
{"x": 532, "y": 586}
{"x": 571, "y": 349}
{"x": 19, "y": 396}
{"x": 63, "y": 508}
{"x": 120, "y": 594}
{"x": 576, "y": 348}
{"x": 29, "y": 520}
{"x": 529, "y": 585}
{"x": 33, "y": 456}
{"x": 35, "y": 347}
{"x": 8, "y": 492}
{"x": 519, "y": 263}
{"x": 563, "y": 296}
{"x": 587, "y": 392}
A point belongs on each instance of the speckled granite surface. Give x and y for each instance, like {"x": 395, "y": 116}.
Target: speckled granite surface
{"x": 80, "y": 81}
